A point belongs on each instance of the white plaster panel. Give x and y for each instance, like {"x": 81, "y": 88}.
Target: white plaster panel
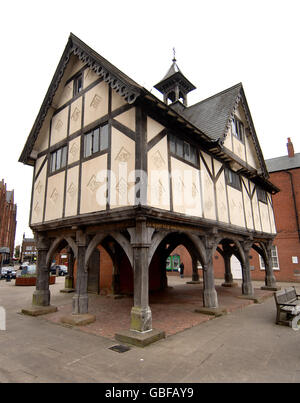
{"x": 55, "y": 196}
{"x": 59, "y": 126}
{"x": 89, "y": 77}
{"x": 247, "y": 204}
{"x": 208, "y": 160}
{"x": 153, "y": 128}
{"x": 42, "y": 141}
{"x": 75, "y": 115}
{"x": 93, "y": 185}
{"x": 251, "y": 153}
{"x": 256, "y": 216}
{"x": 208, "y": 193}
{"x": 116, "y": 101}
{"x": 123, "y": 170}
{"x": 39, "y": 197}
{"x": 158, "y": 193}
{"x": 127, "y": 119}
{"x": 72, "y": 191}
{"x": 96, "y": 103}
{"x": 271, "y": 214}
{"x": 264, "y": 213}
{"x": 235, "y": 201}
{"x": 228, "y": 140}
{"x": 66, "y": 95}
{"x": 38, "y": 164}
{"x": 222, "y": 199}
{"x": 239, "y": 148}
{"x": 186, "y": 188}
{"x": 74, "y": 150}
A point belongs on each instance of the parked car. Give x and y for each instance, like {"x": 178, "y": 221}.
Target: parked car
{"x": 59, "y": 269}
{"x": 8, "y": 270}
{"x": 27, "y": 269}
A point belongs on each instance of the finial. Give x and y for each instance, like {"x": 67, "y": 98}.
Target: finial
{"x": 174, "y": 55}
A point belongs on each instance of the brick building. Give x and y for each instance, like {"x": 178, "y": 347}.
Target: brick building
{"x": 8, "y": 223}
{"x": 285, "y": 174}
{"x": 28, "y": 250}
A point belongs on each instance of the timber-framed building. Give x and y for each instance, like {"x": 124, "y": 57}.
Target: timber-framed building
{"x": 115, "y": 165}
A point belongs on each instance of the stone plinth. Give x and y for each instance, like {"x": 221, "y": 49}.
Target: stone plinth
{"x": 35, "y": 310}
{"x": 139, "y": 339}
{"x": 78, "y": 319}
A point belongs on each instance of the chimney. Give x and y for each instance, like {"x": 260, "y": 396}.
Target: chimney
{"x": 290, "y": 148}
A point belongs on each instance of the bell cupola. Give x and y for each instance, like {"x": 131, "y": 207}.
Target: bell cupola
{"x": 174, "y": 86}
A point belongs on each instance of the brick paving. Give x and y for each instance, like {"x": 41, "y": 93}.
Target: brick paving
{"x": 172, "y": 309}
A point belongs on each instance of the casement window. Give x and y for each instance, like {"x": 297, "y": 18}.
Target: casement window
{"x": 183, "y": 149}
{"x": 78, "y": 84}
{"x": 238, "y": 129}
{"x": 275, "y": 260}
{"x": 261, "y": 195}
{"x": 58, "y": 159}
{"x": 233, "y": 179}
{"x": 96, "y": 140}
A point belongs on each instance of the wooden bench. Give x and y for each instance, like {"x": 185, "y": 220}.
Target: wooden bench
{"x": 288, "y": 307}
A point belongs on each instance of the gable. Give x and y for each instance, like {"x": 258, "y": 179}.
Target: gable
{"x": 75, "y": 56}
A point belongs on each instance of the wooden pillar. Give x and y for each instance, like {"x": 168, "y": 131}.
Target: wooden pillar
{"x": 210, "y": 298}
{"x": 270, "y": 280}
{"x": 141, "y": 316}
{"x": 247, "y": 287}
{"x": 69, "y": 279}
{"x": 80, "y": 299}
{"x": 41, "y": 295}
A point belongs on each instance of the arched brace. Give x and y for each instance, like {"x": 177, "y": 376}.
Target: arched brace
{"x": 70, "y": 241}
{"x": 156, "y": 241}
{"x": 98, "y": 238}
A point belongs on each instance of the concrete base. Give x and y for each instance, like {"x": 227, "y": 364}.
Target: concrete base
{"x": 35, "y": 310}
{"x": 230, "y": 285}
{"x": 256, "y": 299}
{"x": 68, "y": 290}
{"x": 139, "y": 339}
{"x": 78, "y": 320}
{"x": 270, "y": 288}
{"x": 220, "y": 311}
{"x": 194, "y": 282}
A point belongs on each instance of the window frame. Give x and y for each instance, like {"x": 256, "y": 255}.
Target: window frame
{"x": 238, "y": 129}
{"x": 62, "y": 152}
{"x": 274, "y": 256}
{"x": 76, "y": 89}
{"x": 261, "y": 195}
{"x": 235, "y": 184}
{"x": 102, "y": 142}
{"x": 178, "y": 147}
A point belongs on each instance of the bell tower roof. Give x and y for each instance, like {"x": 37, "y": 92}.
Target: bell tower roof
{"x": 175, "y": 86}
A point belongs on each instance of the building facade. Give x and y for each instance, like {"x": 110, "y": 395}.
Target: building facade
{"x": 116, "y": 167}
{"x": 8, "y": 223}
{"x": 28, "y": 250}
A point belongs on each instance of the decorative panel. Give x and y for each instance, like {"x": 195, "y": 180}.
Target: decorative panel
{"x": 72, "y": 192}
{"x": 94, "y": 185}
{"x": 127, "y": 119}
{"x": 55, "y": 196}
{"x": 75, "y": 115}
{"x": 96, "y": 103}
{"x": 186, "y": 188}
{"x": 74, "y": 150}
{"x": 59, "y": 126}
{"x": 158, "y": 194}
{"x": 153, "y": 128}
{"x": 122, "y": 191}
{"x": 39, "y": 197}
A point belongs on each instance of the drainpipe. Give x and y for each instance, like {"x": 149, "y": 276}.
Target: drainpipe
{"x": 295, "y": 203}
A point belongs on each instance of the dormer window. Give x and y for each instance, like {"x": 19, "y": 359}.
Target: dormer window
{"x": 238, "y": 129}
{"x": 77, "y": 88}
{"x": 261, "y": 195}
{"x": 233, "y": 179}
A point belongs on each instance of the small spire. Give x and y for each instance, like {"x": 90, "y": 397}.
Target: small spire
{"x": 174, "y": 55}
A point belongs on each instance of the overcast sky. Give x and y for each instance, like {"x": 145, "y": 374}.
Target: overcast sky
{"x": 218, "y": 44}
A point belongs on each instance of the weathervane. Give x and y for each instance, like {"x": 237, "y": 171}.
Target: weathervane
{"x": 174, "y": 55}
